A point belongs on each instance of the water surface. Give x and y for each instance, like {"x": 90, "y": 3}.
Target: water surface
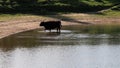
{"x": 74, "y": 47}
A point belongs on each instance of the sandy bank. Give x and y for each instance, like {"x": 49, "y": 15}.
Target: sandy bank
{"x": 16, "y": 25}
{"x": 13, "y": 27}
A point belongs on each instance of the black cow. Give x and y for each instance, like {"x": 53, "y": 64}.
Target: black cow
{"x": 49, "y": 25}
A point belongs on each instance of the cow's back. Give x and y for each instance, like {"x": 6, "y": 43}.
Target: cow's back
{"x": 52, "y": 24}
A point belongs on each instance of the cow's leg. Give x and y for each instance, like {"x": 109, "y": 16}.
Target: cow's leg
{"x": 57, "y": 29}
{"x": 45, "y": 30}
{"x": 50, "y": 30}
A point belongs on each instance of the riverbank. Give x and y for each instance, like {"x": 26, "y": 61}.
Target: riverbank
{"x": 12, "y": 25}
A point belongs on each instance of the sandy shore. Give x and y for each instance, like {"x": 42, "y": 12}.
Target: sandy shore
{"x": 15, "y": 26}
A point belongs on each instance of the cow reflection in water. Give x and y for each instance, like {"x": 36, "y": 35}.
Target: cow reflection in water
{"x": 49, "y": 25}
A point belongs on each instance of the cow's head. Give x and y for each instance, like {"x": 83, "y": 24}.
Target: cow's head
{"x": 42, "y": 24}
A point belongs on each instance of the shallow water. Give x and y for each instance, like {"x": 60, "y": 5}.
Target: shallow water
{"x": 74, "y": 47}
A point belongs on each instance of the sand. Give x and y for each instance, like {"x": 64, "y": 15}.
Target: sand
{"x": 13, "y": 27}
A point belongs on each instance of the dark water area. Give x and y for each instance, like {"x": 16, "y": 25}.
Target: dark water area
{"x": 75, "y": 47}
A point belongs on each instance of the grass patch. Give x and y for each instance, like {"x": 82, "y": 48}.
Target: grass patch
{"x": 112, "y": 13}
{"x": 6, "y": 17}
{"x": 24, "y": 17}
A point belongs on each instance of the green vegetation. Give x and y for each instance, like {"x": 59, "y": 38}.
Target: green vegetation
{"x": 13, "y": 17}
{"x": 112, "y": 13}
{"x": 53, "y": 6}
{"x": 53, "y": 9}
